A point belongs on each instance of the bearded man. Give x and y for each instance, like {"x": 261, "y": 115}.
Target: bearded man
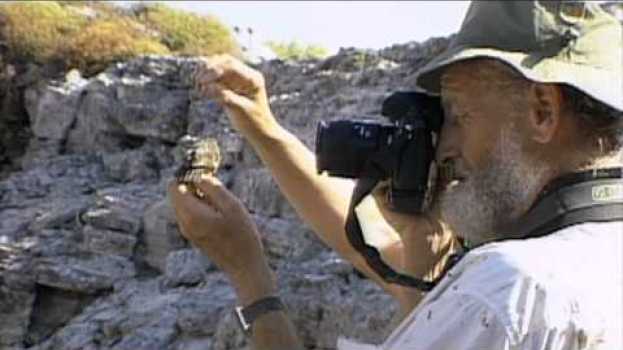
{"x": 533, "y": 101}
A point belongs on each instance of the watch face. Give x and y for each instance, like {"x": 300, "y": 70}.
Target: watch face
{"x": 247, "y": 315}
{"x": 244, "y": 325}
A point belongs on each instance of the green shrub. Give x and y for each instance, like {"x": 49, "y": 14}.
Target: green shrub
{"x": 296, "y": 50}
{"x": 187, "y": 33}
{"x": 35, "y": 31}
{"x": 105, "y": 41}
{"x": 90, "y": 35}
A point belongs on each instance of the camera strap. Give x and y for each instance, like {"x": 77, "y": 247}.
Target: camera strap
{"x": 354, "y": 233}
{"x": 590, "y": 196}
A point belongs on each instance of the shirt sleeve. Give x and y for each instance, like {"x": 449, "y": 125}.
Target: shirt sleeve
{"x": 460, "y": 322}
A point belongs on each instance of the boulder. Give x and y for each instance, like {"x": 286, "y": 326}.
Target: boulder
{"x": 161, "y": 235}
{"x": 134, "y": 165}
{"x": 120, "y": 208}
{"x": 116, "y": 219}
{"x": 52, "y": 309}
{"x": 259, "y": 192}
{"x": 88, "y": 276}
{"x": 148, "y": 109}
{"x": 17, "y": 296}
{"x": 58, "y": 213}
{"x": 185, "y": 267}
{"x": 102, "y": 241}
{"x": 52, "y": 108}
{"x": 287, "y": 240}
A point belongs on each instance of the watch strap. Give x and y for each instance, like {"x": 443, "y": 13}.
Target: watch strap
{"x": 247, "y": 315}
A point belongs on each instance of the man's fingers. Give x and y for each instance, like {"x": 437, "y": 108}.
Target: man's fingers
{"x": 223, "y": 199}
{"x": 233, "y": 100}
{"x": 187, "y": 206}
{"x": 224, "y": 65}
{"x": 230, "y": 72}
{"x": 175, "y": 192}
{"x": 226, "y": 96}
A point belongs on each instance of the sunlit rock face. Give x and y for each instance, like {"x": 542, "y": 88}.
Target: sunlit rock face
{"x": 90, "y": 254}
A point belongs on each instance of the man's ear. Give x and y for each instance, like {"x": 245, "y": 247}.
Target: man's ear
{"x": 546, "y": 106}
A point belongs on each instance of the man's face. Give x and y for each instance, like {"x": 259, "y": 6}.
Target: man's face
{"x": 482, "y": 142}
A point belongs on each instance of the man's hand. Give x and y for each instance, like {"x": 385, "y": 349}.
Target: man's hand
{"x": 321, "y": 201}
{"x": 427, "y": 241}
{"x": 220, "y": 226}
{"x": 240, "y": 90}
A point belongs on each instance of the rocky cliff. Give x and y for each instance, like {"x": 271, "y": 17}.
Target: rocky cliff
{"x": 90, "y": 255}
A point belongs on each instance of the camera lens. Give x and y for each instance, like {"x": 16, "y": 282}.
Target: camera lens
{"x": 343, "y": 146}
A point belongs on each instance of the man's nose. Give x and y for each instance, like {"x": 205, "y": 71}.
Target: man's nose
{"x": 448, "y": 146}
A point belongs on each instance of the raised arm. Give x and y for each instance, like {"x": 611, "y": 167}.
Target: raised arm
{"x": 321, "y": 201}
{"x": 220, "y": 226}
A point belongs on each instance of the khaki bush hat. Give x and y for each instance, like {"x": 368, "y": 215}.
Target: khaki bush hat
{"x": 572, "y": 42}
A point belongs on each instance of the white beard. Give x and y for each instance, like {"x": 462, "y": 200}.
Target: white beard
{"x": 492, "y": 197}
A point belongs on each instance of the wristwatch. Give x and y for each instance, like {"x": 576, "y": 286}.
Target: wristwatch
{"x": 247, "y": 315}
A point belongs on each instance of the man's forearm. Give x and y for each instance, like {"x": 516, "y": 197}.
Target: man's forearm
{"x": 320, "y": 200}
{"x": 273, "y": 330}
{"x": 323, "y": 202}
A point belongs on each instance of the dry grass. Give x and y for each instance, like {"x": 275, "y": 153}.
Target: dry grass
{"x": 296, "y": 50}
{"x": 187, "y": 33}
{"x": 35, "y": 30}
{"x": 90, "y": 35}
{"x": 105, "y": 41}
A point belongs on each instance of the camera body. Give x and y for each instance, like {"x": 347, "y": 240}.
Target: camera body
{"x": 400, "y": 150}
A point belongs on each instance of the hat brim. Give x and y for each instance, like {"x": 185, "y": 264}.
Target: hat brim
{"x": 602, "y": 84}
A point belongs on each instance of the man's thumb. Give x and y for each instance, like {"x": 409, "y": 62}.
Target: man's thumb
{"x": 219, "y": 196}
{"x": 236, "y": 101}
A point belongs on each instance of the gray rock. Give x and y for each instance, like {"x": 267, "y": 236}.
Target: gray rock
{"x": 120, "y": 208}
{"x": 82, "y": 275}
{"x": 185, "y": 267}
{"x": 134, "y": 165}
{"x": 75, "y": 336}
{"x": 143, "y": 164}
{"x": 229, "y": 336}
{"x": 109, "y": 242}
{"x": 15, "y": 308}
{"x": 95, "y": 128}
{"x": 17, "y": 295}
{"x": 146, "y": 108}
{"x": 161, "y": 235}
{"x": 52, "y": 309}
{"x": 14, "y": 223}
{"x": 204, "y": 116}
{"x": 127, "y": 105}
{"x": 287, "y": 240}
{"x": 52, "y": 109}
{"x": 52, "y": 243}
{"x": 59, "y": 212}
{"x": 258, "y": 191}
{"x": 140, "y": 314}
{"x": 201, "y": 311}
{"x": 112, "y": 218}
{"x": 194, "y": 344}
{"x": 59, "y": 177}
{"x": 160, "y": 335}
{"x": 39, "y": 150}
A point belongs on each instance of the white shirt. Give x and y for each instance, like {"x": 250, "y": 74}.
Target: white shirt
{"x": 563, "y": 291}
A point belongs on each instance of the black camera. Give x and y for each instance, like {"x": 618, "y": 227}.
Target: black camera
{"x": 400, "y": 150}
